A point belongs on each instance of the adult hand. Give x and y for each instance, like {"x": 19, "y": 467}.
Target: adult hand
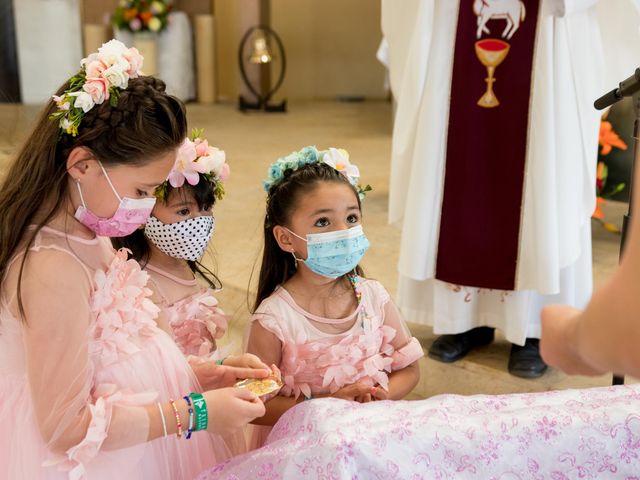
{"x": 558, "y": 341}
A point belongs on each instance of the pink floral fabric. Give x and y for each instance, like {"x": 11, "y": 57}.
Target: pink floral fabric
{"x": 573, "y": 434}
{"x": 196, "y": 322}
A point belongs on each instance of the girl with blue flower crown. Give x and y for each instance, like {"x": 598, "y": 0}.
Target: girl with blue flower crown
{"x": 331, "y": 331}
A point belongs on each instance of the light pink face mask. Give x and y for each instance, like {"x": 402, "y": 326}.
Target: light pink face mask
{"x": 131, "y": 214}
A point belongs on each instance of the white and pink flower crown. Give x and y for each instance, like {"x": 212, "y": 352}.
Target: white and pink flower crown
{"x": 102, "y": 76}
{"x": 197, "y": 160}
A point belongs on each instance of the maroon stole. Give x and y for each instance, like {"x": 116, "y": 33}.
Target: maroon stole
{"x": 486, "y": 145}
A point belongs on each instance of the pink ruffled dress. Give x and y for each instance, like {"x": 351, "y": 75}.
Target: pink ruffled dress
{"x": 191, "y": 311}
{"x": 314, "y": 362}
{"x": 195, "y": 322}
{"x": 71, "y": 387}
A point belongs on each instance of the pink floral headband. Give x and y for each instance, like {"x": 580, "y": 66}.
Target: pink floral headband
{"x": 197, "y": 160}
{"x": 102, "y": 76}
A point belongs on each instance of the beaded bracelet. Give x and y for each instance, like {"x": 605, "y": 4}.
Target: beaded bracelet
{"x": 178, "y": 422}
{"x": 221, "y": 362}
{"x": 164, "y": 422}
{"x": 200, "y": 407}
{"x": 191, "y": 417}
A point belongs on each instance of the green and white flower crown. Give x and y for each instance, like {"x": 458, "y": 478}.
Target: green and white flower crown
{"x": 337, "y": 158}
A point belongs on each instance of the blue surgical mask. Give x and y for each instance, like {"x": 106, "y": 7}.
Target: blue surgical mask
{"x": 333, "y": 254}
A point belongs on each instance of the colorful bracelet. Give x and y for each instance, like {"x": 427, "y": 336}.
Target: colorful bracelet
{"x": 191, "y": 417}
{"x": 178, "y": 422}
{"x": 164, "y": 422}
{"x": 200, "y": 407}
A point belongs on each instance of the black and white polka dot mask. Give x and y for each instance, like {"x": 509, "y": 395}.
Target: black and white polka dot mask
{"x": 187, "y": 239}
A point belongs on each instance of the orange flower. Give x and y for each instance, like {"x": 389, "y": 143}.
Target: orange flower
{"x": 146, "y": 16}
{"x": 609, "y": 138}
{"x": 598, "y": 213}
{"x": 130, "y": 13}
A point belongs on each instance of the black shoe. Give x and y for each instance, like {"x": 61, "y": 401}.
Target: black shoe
{"x": 526, "y": 361}
{"x": 449, "y": 348}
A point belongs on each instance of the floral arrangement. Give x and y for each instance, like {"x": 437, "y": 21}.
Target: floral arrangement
{"x": 337, "y": 158}
{"x": 102, "y": 75}
{"x": 197, "y": 160}
{"x": 608, "y": 140}
{"x": 141, "y": 15}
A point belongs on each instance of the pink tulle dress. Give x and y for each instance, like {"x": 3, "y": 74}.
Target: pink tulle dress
{"x": 73, "y": 379}
{"x": 314, "y": 362}
{"x": 191, "y": 315}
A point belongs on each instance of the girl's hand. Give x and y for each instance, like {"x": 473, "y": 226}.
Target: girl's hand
{"x": 231, "y": 409}
{"x": 375, "y": 393}
{"x": 353, "y": 392}
{"x": 213, "y": 376}
{"x": 247, "y": 360}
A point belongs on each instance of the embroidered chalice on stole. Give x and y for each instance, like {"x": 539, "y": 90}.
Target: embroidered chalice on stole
{"x": 491, "y": 52}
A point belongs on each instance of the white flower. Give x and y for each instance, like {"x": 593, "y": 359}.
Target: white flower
{"x": 112, "y": 52}
{"x": 339, "y": 159}
{"x": 83, "y": 101}
{"x": 65, "y": 124}
{"x": 213, "y": 162}
{"x": 117, "y": 75}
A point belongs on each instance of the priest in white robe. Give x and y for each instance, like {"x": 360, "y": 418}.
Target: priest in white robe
{"x": 493, "y": 160}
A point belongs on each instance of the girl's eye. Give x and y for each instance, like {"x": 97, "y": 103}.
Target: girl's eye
{"x": 321, "y": 222}
{"x": 184, "y": 212}
{"x": 142, "y": 193}
{"x": 353, "y": 218}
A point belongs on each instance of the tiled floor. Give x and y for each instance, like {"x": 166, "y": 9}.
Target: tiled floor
{"x": 252, "y": 142}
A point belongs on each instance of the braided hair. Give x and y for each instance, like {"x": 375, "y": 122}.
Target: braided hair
{"x": 279, "y": 266}
{"x": 145, "y": 122}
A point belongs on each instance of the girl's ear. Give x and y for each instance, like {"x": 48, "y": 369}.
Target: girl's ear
{"x": 80, "y": 165}
{"x": 283, "y": 237}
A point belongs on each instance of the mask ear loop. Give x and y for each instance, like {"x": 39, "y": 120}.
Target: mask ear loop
{"x": 293, "y": 253}
{"x": 109, "y": 180}
{"x": 80, "y": 192}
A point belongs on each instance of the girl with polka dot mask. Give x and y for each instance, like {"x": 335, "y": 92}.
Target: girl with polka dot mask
{"x": 169, "y": 249}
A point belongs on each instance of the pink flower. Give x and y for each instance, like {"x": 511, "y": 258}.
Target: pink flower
{"x": 132, "y": 55}
{"x": 184, "y": 169}
{"x": 95, "y": 68}
{"x": 135, "y": 24}
{"x": 224, "y": 173}
{"x": 98, "y": 88}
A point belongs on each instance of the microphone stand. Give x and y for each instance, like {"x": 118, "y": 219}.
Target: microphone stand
{"x": 627, "y": 88}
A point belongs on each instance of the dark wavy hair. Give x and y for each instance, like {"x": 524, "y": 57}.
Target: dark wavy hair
{"x": 145, "y": 123}
{"x": 204, "y": 194}
{"x": 277, "y": 265}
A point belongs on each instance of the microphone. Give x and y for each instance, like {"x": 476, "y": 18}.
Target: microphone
{"x": 626, "y": 88}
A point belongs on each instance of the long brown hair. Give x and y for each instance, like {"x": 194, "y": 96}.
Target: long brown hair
{"x": 145, "y": 123}
{"x": 279, "y": 266}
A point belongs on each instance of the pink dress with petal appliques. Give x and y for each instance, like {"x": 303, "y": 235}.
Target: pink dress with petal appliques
{"x": 191, "y": 310}
{"x": 196, "y": 321}
{"x": 314, "y": 362}
{"x": 95, "y": 374}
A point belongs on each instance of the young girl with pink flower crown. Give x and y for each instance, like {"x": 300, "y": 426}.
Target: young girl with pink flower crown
{"x": 169, "y": 249}
{"x": 330, "y": 331}
{"x": 90, "y": 387}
